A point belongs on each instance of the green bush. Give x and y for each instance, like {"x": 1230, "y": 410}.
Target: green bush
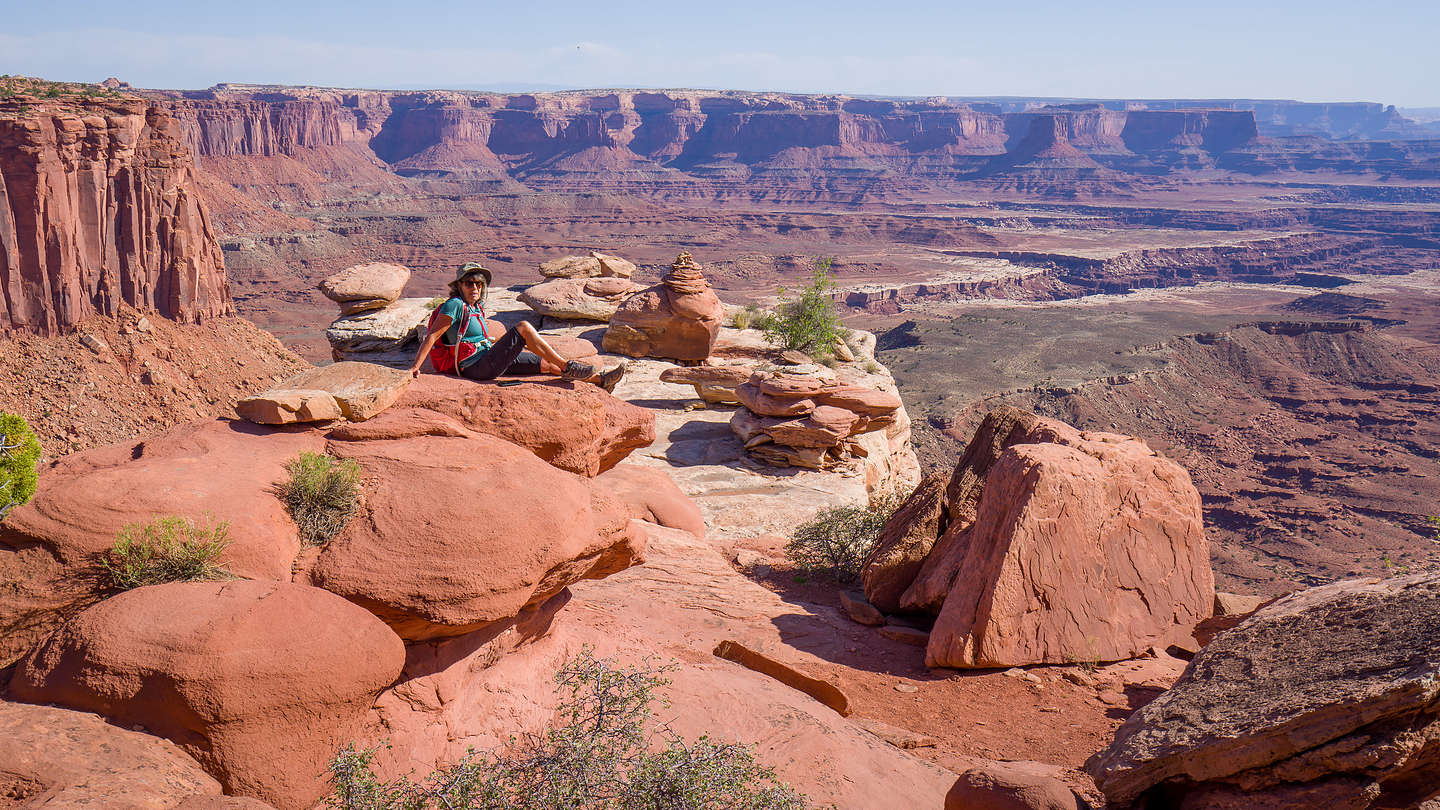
{"x": 836, "y": 541}
{"x": 808, "y": 321}
{"x": 606, "y": 753}
{"x": 167, "y": 549}
{"x": 19, "y": 453}
{"x": 322, "y": 495}
{"x": 751, "y": 315}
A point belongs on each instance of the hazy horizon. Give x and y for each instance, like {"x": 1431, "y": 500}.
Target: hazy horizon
{"x": 1327, "y": 52}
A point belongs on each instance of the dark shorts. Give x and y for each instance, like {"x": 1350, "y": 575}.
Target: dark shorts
{"x": 507, "y": 356}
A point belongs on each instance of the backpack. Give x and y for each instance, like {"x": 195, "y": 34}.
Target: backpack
{"x": 445, "y": 358}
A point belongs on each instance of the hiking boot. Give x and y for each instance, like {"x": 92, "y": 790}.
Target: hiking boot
{"x": 609, "y": 379}
{"x": 578, "y": 370}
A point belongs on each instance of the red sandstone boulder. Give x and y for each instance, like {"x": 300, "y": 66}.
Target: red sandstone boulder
{"x": 1010, "y": 786}
{"x": 261, "y": 682}
{"x": 205, "y": 471}
{"x": 905, "y": 541}
{"x": 574, "y": 426}
{"x": 458, "y": 533}
{"x": 587, "y": 299}
{"x": 588, "y": 266}
{"x": 679, "y": 318}
{"x": 352, "y": 390}
{"x": 1090, "y": 549}
{"x": 652, "y": 496}
{"x": 53, "y": 758}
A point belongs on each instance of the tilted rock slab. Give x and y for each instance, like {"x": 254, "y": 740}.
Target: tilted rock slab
{"x": 574, "y": 426}
{"x": 584, "y": 299}
{"x": 261, "y": 682}
{"x": 1087, "y": 549}
{"x": 457, "y": 533}
{"x": 904, "y": 543}
{"x": 364, "y": 287}
{"x": 211, "y": 471}
{"x": 350, "y": 390}
{"x": 1330, "y": 697}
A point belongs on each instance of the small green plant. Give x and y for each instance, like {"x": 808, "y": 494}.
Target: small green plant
{"x": 434, "y": 302}
{"x": 836, "y": 541}
{"x": 751, "y": 315}
{"x": 605, "y": 753}
{"x": 808, "y": 321}
{"x": 19, "y": 455}
{"x": 167, "y": 549}
{"x": 322, "y": 495}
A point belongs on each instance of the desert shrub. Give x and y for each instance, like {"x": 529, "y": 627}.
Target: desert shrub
{"x": 19, "y": 453}
{"x": 751, "y": 316}
{"x": 836, "y": 541}
{"x": 606, "y": 752}
{"x": 322, "y": 494}
{"x": 806, "y": 321}
{"x": 435, "y": 302}
{"x": 167, "y": 549}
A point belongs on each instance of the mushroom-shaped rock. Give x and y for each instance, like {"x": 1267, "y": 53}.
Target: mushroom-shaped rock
{"x": 712, "y": 383}
{"x": 53, "y": 757}
{"x": 574, "y": 426}
{"x": 358, "y": 391}
{"x": 1329, "y": 697}
{"x": 261, "y": 682}
{"x": 585, "y": 299}
{"x": 457, "y": 533}
{"x": 216, "y": 470}
{"x": 679, "y": 318}
{"x": 364, "y": 287}
{"x": 588, "y": 266}
{"x": 1088, "y": 550}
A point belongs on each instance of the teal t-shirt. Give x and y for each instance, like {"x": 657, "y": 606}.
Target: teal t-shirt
{"x": 474, "y": 332}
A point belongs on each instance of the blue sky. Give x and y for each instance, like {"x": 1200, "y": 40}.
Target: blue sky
{"x": 1319, "y": 50}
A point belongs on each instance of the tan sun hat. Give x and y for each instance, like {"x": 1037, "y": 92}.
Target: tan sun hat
{"x": 470, "y": 269}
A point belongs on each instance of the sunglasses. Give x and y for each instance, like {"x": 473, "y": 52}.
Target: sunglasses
{"x": 473, "y": 282}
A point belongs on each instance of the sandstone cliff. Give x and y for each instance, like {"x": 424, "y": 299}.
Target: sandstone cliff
{"x": 99, "y": 206}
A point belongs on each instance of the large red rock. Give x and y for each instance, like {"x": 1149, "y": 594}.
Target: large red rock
{"x": 574, "y": 426}
{"x": 905, "y": 541}
{"x": 52, "y": 758}
{"x": 1087, "y": 550}
{"x": 679, "y": 318}
{"x": 1010, "y": 786}
{"x": 589, "y": 299}
{"x": 261, "y": 682}
{"x": 458, "y": 533}
{"x": 210, "y": 471}
{"x": 99, "y": 206}
{"x": 1329, "y": 697}
{"x": 653, "y": 496}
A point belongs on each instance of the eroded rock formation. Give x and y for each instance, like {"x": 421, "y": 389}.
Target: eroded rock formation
{"x": 678, "y": 318}
{"x": 99, "y": 206}
{"x": 1326, "y": 698}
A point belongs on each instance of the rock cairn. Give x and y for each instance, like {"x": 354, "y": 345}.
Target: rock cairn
{"x": 679, "y": 318}
{"x": 375, "y": 324}
{"x": 1017, "y": 574}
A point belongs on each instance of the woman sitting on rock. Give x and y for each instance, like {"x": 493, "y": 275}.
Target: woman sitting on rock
{"x": 463, "y": 342}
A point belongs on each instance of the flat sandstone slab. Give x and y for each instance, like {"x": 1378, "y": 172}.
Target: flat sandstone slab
{"x": 354, "y": 390}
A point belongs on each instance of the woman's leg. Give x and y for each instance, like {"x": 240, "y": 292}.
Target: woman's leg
{"x": 550, "y": 360}
{"x": 497, "y": 359}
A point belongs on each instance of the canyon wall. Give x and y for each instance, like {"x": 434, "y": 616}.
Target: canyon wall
{"x": 99, "y": 206}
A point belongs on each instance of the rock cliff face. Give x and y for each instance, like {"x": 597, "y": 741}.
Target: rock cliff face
{"x": 99, "y": 206}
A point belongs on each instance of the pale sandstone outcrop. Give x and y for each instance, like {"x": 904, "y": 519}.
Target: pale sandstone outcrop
{"x": 458, "y": 533}
{"x": 1329, "y": 697}
{"x": 350, "y": 390}
{"x": 382, "y": 330}
{"x": 678, "y": 318}
{"x": 52, "y": 758}
{"x": 588, "y": 266}
{"x": 261, "y": 682}
{"x": 364, "y": 287}
{"x": 205, "y": 471}
{"x": 1087, "y": 548}
{"x": 715, "y": 384}
{"x": 584, "y": 299}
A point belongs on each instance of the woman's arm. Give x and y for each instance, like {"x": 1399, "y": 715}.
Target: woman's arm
{"x": 442, "y": 322}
